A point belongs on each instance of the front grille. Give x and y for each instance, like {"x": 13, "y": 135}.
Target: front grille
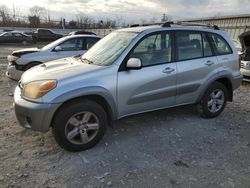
{"x": 246, "y": 77}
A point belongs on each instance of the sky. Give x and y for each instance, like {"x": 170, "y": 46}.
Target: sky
{"x": 133, "y": 10}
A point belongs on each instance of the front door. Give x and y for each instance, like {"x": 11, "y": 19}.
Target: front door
{"x": 154, "y": 85}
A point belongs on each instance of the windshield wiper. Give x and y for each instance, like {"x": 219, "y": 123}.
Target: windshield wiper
{"x": 85, "y": 59}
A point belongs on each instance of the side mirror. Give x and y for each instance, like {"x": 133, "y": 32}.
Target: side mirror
{"x": 89, "y": 46}
{"x": 58, "y": 48}
{"x": 134, "y": 63}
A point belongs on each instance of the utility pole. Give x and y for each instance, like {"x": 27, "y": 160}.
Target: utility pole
{"x": 48, "y": 14}
{"x": 164, "y": 17}
{"x": 14, "y": 12}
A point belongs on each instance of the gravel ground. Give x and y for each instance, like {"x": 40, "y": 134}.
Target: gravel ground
{"x": 167, "y": 148}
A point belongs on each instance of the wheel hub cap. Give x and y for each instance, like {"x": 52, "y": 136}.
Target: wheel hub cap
{"x": 216, "y": 100}
{"x": 82, "y": 127}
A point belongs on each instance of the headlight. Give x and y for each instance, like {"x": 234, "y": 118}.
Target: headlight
{"x": 11, "y": 58}
{"x": 37, "y": 89}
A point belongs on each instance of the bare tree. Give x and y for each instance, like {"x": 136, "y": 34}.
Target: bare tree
{"x": 4, "y": 14}
{"x": 37, "y": 11}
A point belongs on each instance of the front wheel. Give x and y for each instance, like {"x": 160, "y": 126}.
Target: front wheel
{"x": 79, "y": 125}
{"x": 213, "y": 101}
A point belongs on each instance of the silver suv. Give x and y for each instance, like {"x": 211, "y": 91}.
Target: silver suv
{"x": 130, "y": 71}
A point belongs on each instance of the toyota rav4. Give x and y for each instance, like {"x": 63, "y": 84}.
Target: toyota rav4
{"x": 130, "y": 71}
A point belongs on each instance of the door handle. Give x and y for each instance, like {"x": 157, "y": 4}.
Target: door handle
{"x": 168, "y": 70}
{"x": 209, "y": 63}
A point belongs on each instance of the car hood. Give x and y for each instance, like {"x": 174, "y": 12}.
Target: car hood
{"x": 21, "y": 52}
{"x": 59, "y": 70}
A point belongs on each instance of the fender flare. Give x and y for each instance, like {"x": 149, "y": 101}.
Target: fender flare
{"x": 90, "y": 91}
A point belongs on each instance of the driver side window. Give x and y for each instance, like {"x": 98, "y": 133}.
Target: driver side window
{"x": 154, "y": 49}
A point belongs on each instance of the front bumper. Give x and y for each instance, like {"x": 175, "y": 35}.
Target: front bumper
{"x": 245, "y": 70}
{"x": 13, "y": 73}
{"x": 35, "y": 116}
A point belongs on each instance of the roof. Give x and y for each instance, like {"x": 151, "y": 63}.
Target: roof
{"x": 153, "y": 28}
{"x": 83, "y": 35}
{"x": 140, "y": 28}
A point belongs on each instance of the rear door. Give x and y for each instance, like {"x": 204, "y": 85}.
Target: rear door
{"x": 154, "y": 85}
{"x": 225, "y": 55}
{"x": 196, "y": 63}
{"x": 17, "y": 37}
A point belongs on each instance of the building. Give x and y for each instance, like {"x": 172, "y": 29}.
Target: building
{"x": 234, "y": 25}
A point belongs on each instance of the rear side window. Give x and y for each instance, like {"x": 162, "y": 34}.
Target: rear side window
{"x": 17, "y": 35}
{"x": 45, "y": 32}
{"x": 189, "y": 45}
{"x": 220, "y": 44}
{"x": 90, "y": 41}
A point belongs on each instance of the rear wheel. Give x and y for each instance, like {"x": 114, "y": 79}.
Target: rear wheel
{"x": 213, "y": 101}
{"x": 79, "y": 125}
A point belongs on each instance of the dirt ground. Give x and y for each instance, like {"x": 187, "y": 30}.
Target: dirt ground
{"x": 167, "y": 148}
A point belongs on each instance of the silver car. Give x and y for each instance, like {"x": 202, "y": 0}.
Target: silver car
{"x": 22, "y": 60}
{"x": 130, "y": 71}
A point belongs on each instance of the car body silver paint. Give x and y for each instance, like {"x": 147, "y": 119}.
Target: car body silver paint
{"x": 137, "y": 91}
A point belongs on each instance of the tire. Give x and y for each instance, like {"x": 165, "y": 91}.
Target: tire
{"x": 72, "y": 132}
{"x": 214, "y": 101}
{"x": 30, "y": 65}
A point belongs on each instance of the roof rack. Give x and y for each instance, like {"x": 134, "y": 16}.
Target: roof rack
{"x": 169, "y": 24}
{"x": 143, "y": 25}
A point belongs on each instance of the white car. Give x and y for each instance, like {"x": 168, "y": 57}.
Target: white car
{"x": 22, "y": 60}
{"x": 245, "y": 56}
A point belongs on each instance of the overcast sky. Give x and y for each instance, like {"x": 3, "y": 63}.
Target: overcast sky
{"x": 134, "y": 10}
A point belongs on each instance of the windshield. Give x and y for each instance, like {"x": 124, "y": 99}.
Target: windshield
{"x": 107, "y": 50}
{"x": 53, "y": 44}
{"x": 2, "y": 34}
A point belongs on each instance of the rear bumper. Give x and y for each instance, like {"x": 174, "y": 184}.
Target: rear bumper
{"x": 237, "y": 81}
{"x": 31, "y": 115}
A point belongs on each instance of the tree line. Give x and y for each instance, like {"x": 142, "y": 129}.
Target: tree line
{"x": 37, "y": 18}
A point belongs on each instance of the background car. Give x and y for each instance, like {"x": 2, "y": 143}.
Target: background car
{"x": 245, "y": 57}
{"x": 43, "y": 35}
{"x": 237, "y": 45}
{"x": 82, "y": 32}
{"x": 15, "y": 37}
{"x": 22, "y": 60}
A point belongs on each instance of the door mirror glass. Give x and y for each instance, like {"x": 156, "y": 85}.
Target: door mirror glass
{"x": 134, "y": 63}
{"x": 58, "y": 48}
